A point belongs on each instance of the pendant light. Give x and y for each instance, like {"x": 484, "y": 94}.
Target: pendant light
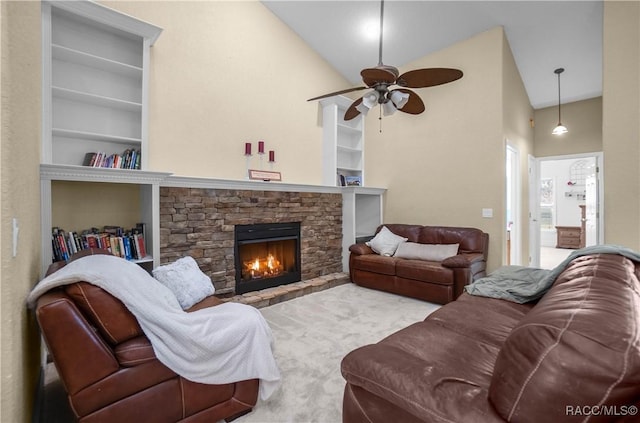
{"x": 560, "y": 129}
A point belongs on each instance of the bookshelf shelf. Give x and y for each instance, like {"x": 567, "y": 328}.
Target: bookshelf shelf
{"x": 98, "y": 100}
{"x": 67, "y": 54}
{"x": 84, "y": 135}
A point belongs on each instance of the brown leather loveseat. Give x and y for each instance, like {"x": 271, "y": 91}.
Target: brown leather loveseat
{"x": 572, "y": 357}
{"x": 435, "y": 281}
{"x": 109, "y": 370}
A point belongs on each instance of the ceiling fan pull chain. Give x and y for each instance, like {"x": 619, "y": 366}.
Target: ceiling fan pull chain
{"x": 380, "y": 119}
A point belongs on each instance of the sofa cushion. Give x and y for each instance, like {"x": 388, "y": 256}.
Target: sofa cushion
{"x": 484, "y": 319}
{"x": 431, "y": 252}
{"x": 579, "y": 346}
{"x": 134, "y": 352}
{"x": 375, "y": 263}
{"x": 385, "y": 242}
{"x": 424, "y": 271}
{"x": 105, "y": 312}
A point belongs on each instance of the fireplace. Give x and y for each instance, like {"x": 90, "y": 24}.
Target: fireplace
{"x": 266, "y": 255}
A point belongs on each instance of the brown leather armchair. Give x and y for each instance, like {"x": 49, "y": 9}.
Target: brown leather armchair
{"x": 109, "y": 370}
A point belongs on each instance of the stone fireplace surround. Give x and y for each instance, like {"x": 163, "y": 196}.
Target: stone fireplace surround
{"x": 199, "y": 222}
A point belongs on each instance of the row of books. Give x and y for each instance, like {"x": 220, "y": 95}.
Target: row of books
{"x": 129, "y": 159}
{"x": 128, "y": 244}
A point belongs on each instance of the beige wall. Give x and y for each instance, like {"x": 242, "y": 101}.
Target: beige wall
{"x": 225, "y": 73}
{"x": 582, "y": 118}
{"x": 621, "y": 122}
{"x": 444, "y": 166}
{"x": 20, "y": 198}
{"x": 517, "y": 115}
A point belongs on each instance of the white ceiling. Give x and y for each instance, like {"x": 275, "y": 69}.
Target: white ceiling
{"x": 543, "y": 35}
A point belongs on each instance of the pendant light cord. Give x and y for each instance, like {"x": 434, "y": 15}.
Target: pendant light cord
{"x": 558, "y": 72}
{"x": 559, "y": 105}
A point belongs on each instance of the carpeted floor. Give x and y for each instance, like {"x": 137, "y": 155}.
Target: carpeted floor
{"x": 312, "y": 334}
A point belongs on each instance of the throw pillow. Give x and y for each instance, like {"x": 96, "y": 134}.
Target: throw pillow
{"x": 385, "y": 242}
{"x": 429, "y": 252}
{"x": 185, "y": 279}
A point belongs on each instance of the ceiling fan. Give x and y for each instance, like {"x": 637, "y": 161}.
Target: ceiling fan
{"x": 381, "y": 77}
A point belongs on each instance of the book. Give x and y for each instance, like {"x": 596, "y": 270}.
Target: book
{"x": 89, "y": 159}
{"x": 353, "y": 180}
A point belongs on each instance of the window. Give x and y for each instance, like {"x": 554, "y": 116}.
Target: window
{"x": 547, "y": 196}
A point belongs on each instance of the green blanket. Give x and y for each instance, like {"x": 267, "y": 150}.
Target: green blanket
{"x": 523, "y": 284}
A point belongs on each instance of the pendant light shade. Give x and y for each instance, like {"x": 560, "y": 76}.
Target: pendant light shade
{"x": 560, "y": 129}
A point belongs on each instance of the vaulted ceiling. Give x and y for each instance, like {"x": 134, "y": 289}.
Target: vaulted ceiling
{"x": 543, "y": 35}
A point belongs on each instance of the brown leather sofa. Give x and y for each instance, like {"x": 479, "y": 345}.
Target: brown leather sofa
{"x": 438, "y": 282}
{"x": 109, "y": 370}
{"x": 575, "y": 354}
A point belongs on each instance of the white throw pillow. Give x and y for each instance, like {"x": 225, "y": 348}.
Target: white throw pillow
{"x": 185, "y": 279}
{"x": 429, "y": 252}
{"x": 385, "y": 242}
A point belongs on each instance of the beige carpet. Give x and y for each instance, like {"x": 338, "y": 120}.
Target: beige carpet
{"x": 312, "y": 335}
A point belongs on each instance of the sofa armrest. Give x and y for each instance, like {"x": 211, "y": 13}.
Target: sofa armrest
{"x": 421, "y": 388}
{"x": 360, "y": 249}
{"x": 388, "y": 373}
{"x": 462, "y": 260}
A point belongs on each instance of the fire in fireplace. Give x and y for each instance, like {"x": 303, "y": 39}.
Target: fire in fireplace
{"x": 266, "y": 255}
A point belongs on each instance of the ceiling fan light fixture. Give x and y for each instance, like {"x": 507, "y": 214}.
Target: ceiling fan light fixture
{"x": 388, "y": 108}
{"x": 369, "y": 100}
{"x": 399, "y": 99}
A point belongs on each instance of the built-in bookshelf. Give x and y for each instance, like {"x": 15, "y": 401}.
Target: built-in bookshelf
{"x": 95, "y": 67}
{"x": 95, "y": 72}
{"x": 343, "y": 144}
{"x": 362, "y": 209}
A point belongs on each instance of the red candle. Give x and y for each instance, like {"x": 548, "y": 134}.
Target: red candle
{"x": 272, "y": 156}
{"x": 247, "y": 149}
{"x": 261, "y": 147}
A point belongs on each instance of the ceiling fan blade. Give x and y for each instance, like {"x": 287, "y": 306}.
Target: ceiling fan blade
{"x": 421, "y": 78}
{"x": 348, "y": 90}
{"x": 352, "y": 112}
{"x": 414, "y": 105}
{"x": 373, "y": 76}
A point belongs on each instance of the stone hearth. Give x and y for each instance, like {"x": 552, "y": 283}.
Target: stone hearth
{"x": 200, "y": 222}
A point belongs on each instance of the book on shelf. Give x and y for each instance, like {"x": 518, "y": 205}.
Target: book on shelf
{"x": 126, "y": 243}
{"x": 129, "y": 159}
{"x": 353, "y": 181}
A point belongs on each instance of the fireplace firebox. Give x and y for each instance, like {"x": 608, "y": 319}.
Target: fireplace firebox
{"x": 266, "y": 255}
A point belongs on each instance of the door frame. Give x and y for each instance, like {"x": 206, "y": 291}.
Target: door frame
{"x": 534, "y": 199}
{"x": 515, "y": 234}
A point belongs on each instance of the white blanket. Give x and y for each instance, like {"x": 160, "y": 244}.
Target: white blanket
{"x": 222, "y": 344}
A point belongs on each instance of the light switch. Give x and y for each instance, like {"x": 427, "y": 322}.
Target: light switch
{"x": 487, "y": 212}
{"x": 16, "y": 229}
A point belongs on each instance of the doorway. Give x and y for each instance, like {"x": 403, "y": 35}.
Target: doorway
{"x": 566, "y": 207}
{"x": 513, "y": 205}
